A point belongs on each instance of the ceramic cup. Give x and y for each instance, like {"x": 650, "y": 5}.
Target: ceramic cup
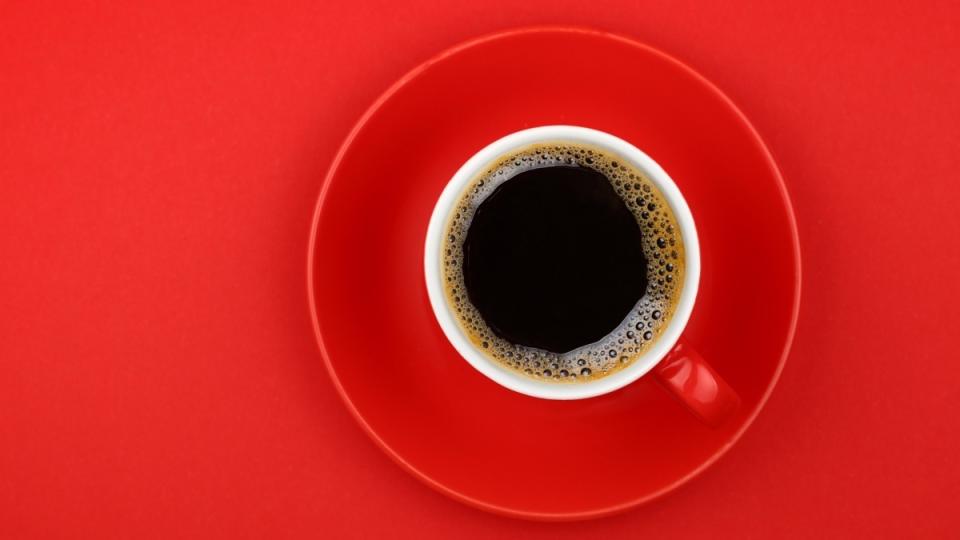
{"x": 671, "y": 360}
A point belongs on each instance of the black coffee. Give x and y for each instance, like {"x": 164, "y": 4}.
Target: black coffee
{"x": 568, "y": 219}
{"x": 562, "y": 262}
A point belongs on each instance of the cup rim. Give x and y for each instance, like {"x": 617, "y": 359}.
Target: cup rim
{"x": 511, "y": 379}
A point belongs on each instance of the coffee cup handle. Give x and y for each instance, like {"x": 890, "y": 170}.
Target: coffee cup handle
{"x": 691, "y": 379}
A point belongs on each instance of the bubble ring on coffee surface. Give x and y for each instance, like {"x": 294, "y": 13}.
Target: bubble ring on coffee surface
{"x": 662, "y": 246}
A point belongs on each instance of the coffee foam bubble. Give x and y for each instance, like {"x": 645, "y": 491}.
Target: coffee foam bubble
{"x": 662, "y": 246}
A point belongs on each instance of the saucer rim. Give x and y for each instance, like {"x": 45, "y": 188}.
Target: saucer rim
{"x": 312, "y": 263}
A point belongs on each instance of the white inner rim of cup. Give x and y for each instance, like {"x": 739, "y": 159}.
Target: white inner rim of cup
{"x": 504, "y": 375}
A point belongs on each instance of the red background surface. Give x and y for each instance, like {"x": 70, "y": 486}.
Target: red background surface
{"x": 158, "y": 169}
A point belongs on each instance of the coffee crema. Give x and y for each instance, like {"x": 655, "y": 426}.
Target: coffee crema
{"x": 562, "y": 262}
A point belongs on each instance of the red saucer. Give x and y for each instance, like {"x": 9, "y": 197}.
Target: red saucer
{"x": 425, "y": 406}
